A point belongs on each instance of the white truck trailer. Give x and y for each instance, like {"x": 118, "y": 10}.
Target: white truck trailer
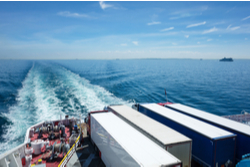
{"x": 122, "y": 145}
{"x": 174, "y": 142}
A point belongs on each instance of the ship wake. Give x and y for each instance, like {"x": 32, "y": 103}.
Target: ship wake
{"x": 48, "y": 91}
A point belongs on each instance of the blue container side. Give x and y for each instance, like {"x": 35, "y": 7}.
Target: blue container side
{"x": 203, "y": 148}
{"x": 241, "y": 147}
{"x": 223, "y": 149}
{"x": 199, "y": 142}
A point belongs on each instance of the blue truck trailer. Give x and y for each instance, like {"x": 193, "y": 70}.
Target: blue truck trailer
{"x": 241, "y": 130}
{"x": 212, "y": 146}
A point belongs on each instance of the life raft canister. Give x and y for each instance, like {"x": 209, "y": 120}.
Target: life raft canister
{"x": 23, "y": 161}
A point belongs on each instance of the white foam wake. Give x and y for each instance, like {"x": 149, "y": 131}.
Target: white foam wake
{"x": 39, "y": 100}
{"x": 93, "y": 97}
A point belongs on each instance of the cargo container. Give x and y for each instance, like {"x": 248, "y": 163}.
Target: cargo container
{"x": 122, "y": 145}
{"x": 174, "y": 142}
{"x": 211, "y": 146}
{"x": 241, "y": 130}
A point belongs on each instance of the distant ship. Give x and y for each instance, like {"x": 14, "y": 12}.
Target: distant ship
{"x": 226, "y": 59}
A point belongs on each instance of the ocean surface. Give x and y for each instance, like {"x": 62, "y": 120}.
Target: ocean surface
{"x": 32, "y": 91}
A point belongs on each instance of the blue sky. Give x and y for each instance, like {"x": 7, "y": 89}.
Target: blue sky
{"x": 114, "y": 29}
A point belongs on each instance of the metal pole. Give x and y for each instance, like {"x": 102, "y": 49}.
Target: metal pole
{"x": 166, "y": 95}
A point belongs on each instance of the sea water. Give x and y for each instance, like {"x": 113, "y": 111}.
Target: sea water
{"x": 32, "y": 91}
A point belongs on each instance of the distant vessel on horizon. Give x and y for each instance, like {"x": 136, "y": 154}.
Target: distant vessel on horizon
{"x": 227, "y": 59}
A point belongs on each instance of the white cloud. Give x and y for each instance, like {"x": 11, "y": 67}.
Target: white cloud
{"x": 104, "y": 5}
{"x": 198, "y": 42}
{"x": 183, "y": 14}
{"x": 245, "y": 18}
{"x": 219, "y": 35}
{"x": 235, "y": 28}
{"x": 191, "y": 9}
{"x": 231, "y": 9}
{"x": 167, "y": 29}
{"x": 154, "y": 17}
{"x": 186, "y": 36}
{"x": 180, "y": 16}
{"x": 218, "y": 23}
{"x": 210, "y": 30}
{"x": 245, "y": 38}
{"x": 229, "y": 26}
{"x": 197, "y": 24}
{"x": 68, "y": 14}
{"x": 135, "y": 42}
{"x": 123, "y": 44}
{"x": 209, "y": 40}
{"x": 232, "y": 28}
{"x": 153, "y": 23}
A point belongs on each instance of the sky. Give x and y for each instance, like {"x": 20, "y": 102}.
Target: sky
{"x": 124, "y": 30}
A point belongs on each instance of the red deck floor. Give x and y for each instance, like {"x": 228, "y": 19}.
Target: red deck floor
{"x": 166, "y": 103}
{"x": 45, "y": 155}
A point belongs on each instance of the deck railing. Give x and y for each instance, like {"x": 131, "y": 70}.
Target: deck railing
{"x": 69, "y": 153}
{"x": 243, "y": 118}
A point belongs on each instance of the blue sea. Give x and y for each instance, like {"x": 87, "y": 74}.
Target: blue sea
{"x": 32, "y": 91}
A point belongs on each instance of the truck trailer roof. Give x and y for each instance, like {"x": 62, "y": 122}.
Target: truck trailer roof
{"x": 157, "y": 130}
{"x": 142, "y": 149}
{"x": 227, "y": 123}
{"x": 203, "y": 128}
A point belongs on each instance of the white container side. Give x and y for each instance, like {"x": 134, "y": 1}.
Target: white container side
{"x": 150, "y": 126}
{"x": 174, "y": 142}
{"x": 236, "y": 126}
{"x": 201, "y": 127}
{"x": 123, "y": 145}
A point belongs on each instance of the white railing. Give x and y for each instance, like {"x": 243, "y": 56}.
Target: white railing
{"x": 27, "y": 135}
{"x": 38, "y": 125}
{"x": 13, "y": 157}
{"x": 69, "y": 153}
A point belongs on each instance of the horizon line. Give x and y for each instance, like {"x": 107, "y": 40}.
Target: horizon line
{"x": 130, "y": 59}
